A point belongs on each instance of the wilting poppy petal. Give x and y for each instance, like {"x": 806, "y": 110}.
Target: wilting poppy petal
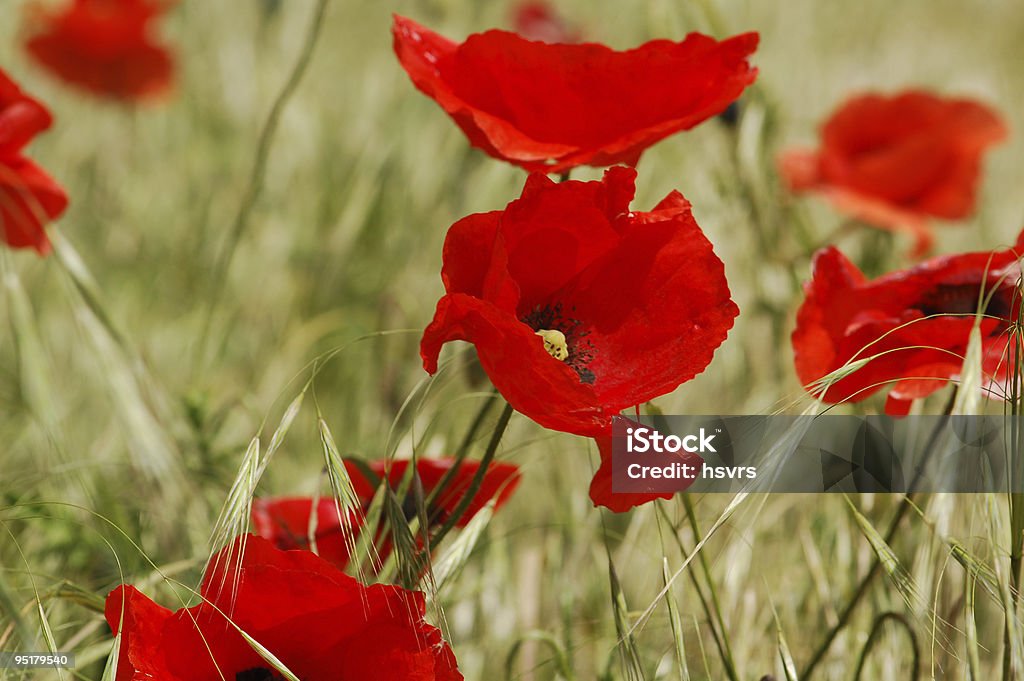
{"x": 550, "y": 107}
{"x": 896, "y": 161}
{"x": 586, "y": 308}
{"x": 320, "y": 623}
{"x": 29, "y": 198}
{"x": 913, "y": 325}
{"x": 103, "y": 46}
{"x": 601, "y": 486}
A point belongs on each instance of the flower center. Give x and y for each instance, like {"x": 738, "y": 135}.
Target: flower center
{"x": 554, "y": 343}
{"x": 257, "y": 674}
{"x": 964, "y": 299}
{"x": 564, "y": 338}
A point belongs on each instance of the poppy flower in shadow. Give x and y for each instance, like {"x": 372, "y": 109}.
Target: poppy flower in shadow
{"x": 105, "y": 47}
{"x": 906, "y": 332}
{"x": 286, "y": 522}
{"x": 320, "y": 623}
{"x": 579, "y": 307}
{"x": 499, "y": 482}
{"x": 897, "y": 161}
{"x": 551, "y": 107}
{"x": 29, "y": 197}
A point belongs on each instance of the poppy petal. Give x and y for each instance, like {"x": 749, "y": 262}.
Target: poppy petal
{"x": 911, "y": 327}
{"x": 103, "y": 48}
{"x": 286, "y": 522}
{"x": 601, "y": 486}
{"x": 21, "y": 117}
{"x": 28, "y": 199}
{"x": 555, "y": 231}
{"x": 550, "y": 107}
{"x": 317, "y": 621}
{"x": 896, "y": 161}
{"x": 657, "y": 308}
{"x": 140, "y": 622}
{"x": 499, "y": 482}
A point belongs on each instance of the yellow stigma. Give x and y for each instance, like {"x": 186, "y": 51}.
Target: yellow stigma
{"x": 554, "y": 343}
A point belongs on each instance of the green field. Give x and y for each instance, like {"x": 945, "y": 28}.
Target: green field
{"x": 214, "y": 265}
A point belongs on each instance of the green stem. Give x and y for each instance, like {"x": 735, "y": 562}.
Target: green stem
{"x": 463, "y": 449}
{"x": 908, "y": 503}
{"x": 876, "y": 630}
{"x": 478, "y": 477}
{"x": 561, "y": 656}
{"x": 1016, "y": 508}
{"x": 725, "y": 648}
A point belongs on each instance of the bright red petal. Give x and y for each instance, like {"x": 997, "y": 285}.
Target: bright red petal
{"x": 601, "y": 486}
{"x": 555, "y": 231}
{"x": 656, "y": 308}
{"x": 913, "y": 325}
{"x": 550, "y": 107}
{"x": 464, "y": 270}
{"x": 141, "y": 623}
{"x": 312, "y": 617}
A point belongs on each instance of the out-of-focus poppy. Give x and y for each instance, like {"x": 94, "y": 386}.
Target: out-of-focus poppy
{"x": 537, "y": 20}
{"x": 549, "y": 107}
{"x": 105, "y": 47}
{"x": 917, "y": 321}
{"x": 21, "y": 117}
{"x": 29, "y": 198}
{"x": 896, "y": 161}
{"x": 320, "y": 623}
{"x": 579, "y": 307}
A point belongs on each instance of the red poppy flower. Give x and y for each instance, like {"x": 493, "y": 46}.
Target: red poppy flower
{"x": 285, "y": 522}
{"x": 848, "y": 317}
{"x": 103, "y": 46}
{"x": 500, "y": 480}
{"x": 601, "y": 486}
{"x": 896, "y": 161}
{"x": 537, "y": 20}
{"x": 578, "y": 307}
{"x": 552, "y": 107}
{"x": 320, "y": 623}
{"x": 29, "y": 197}
{"x": 21, "y": 117}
